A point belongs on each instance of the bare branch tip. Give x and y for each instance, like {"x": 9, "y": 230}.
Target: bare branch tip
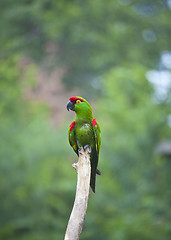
{"x": 75, "y": 165}
{"x": 76, "y": 220}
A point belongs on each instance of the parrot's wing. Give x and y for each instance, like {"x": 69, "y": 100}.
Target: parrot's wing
{"x": 97, "y": 133}
{"x": 72, "y": 139}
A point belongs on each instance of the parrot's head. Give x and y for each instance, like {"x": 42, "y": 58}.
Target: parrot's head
{"x": 79, "y": 105}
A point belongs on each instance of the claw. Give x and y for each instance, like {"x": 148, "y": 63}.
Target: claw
{"x": 80, "y": 151}
{"x": 87, "y": 146}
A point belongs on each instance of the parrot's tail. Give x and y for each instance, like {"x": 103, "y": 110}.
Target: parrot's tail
{"x": 94, "y": 171}
{"x": 93, "y": 182}
{"x": 98, "y": 172}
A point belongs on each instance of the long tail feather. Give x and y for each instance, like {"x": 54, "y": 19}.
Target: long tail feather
{"x": 92, "y": 182}
{"x": 94, "y": 170}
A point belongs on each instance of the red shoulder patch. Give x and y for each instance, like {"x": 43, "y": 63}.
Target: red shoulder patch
{"x": 94, "y": 122}
{"x": 72, "y": 126}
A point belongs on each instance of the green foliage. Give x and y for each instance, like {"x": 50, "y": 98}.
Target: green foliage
{"x": 87, "y": 37}
{"x": 134, "y": 187}
{"x": 109, "y": 45}
{"x": 37, "y": 183}
{"x": 35, "y": 198}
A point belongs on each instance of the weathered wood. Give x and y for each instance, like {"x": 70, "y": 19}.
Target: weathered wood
{"x": 78, "y": 213}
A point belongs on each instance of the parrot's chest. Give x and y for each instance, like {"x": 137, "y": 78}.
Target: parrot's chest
{"x": 85, "y": 134}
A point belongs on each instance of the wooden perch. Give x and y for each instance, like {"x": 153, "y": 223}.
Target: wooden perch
{"x": 78, "y": 213}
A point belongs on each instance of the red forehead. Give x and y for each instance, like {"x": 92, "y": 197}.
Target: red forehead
{"x": 74, "y": 98}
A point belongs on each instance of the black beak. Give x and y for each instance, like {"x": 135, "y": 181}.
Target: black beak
{"x": 71, "y": 106}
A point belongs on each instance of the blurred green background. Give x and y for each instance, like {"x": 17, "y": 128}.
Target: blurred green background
{"x": 116, "y": 54}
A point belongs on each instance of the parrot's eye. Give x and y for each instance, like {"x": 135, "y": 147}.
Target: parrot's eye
{"x": 78, "y": 101}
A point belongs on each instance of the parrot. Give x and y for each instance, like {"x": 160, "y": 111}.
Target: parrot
{"x": 85, "y": 131}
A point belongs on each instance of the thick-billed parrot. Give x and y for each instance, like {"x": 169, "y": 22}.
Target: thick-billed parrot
{"x": 83, "y": 131}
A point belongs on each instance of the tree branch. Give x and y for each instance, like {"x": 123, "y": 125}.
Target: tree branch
{"x": 78, "y": 213}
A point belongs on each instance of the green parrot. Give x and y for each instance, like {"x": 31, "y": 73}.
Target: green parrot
{"x": 85, "y": 131}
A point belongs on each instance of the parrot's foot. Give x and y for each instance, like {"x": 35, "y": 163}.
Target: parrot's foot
{"x": 80, "y": 151}
{"x": 87, "y": 146}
